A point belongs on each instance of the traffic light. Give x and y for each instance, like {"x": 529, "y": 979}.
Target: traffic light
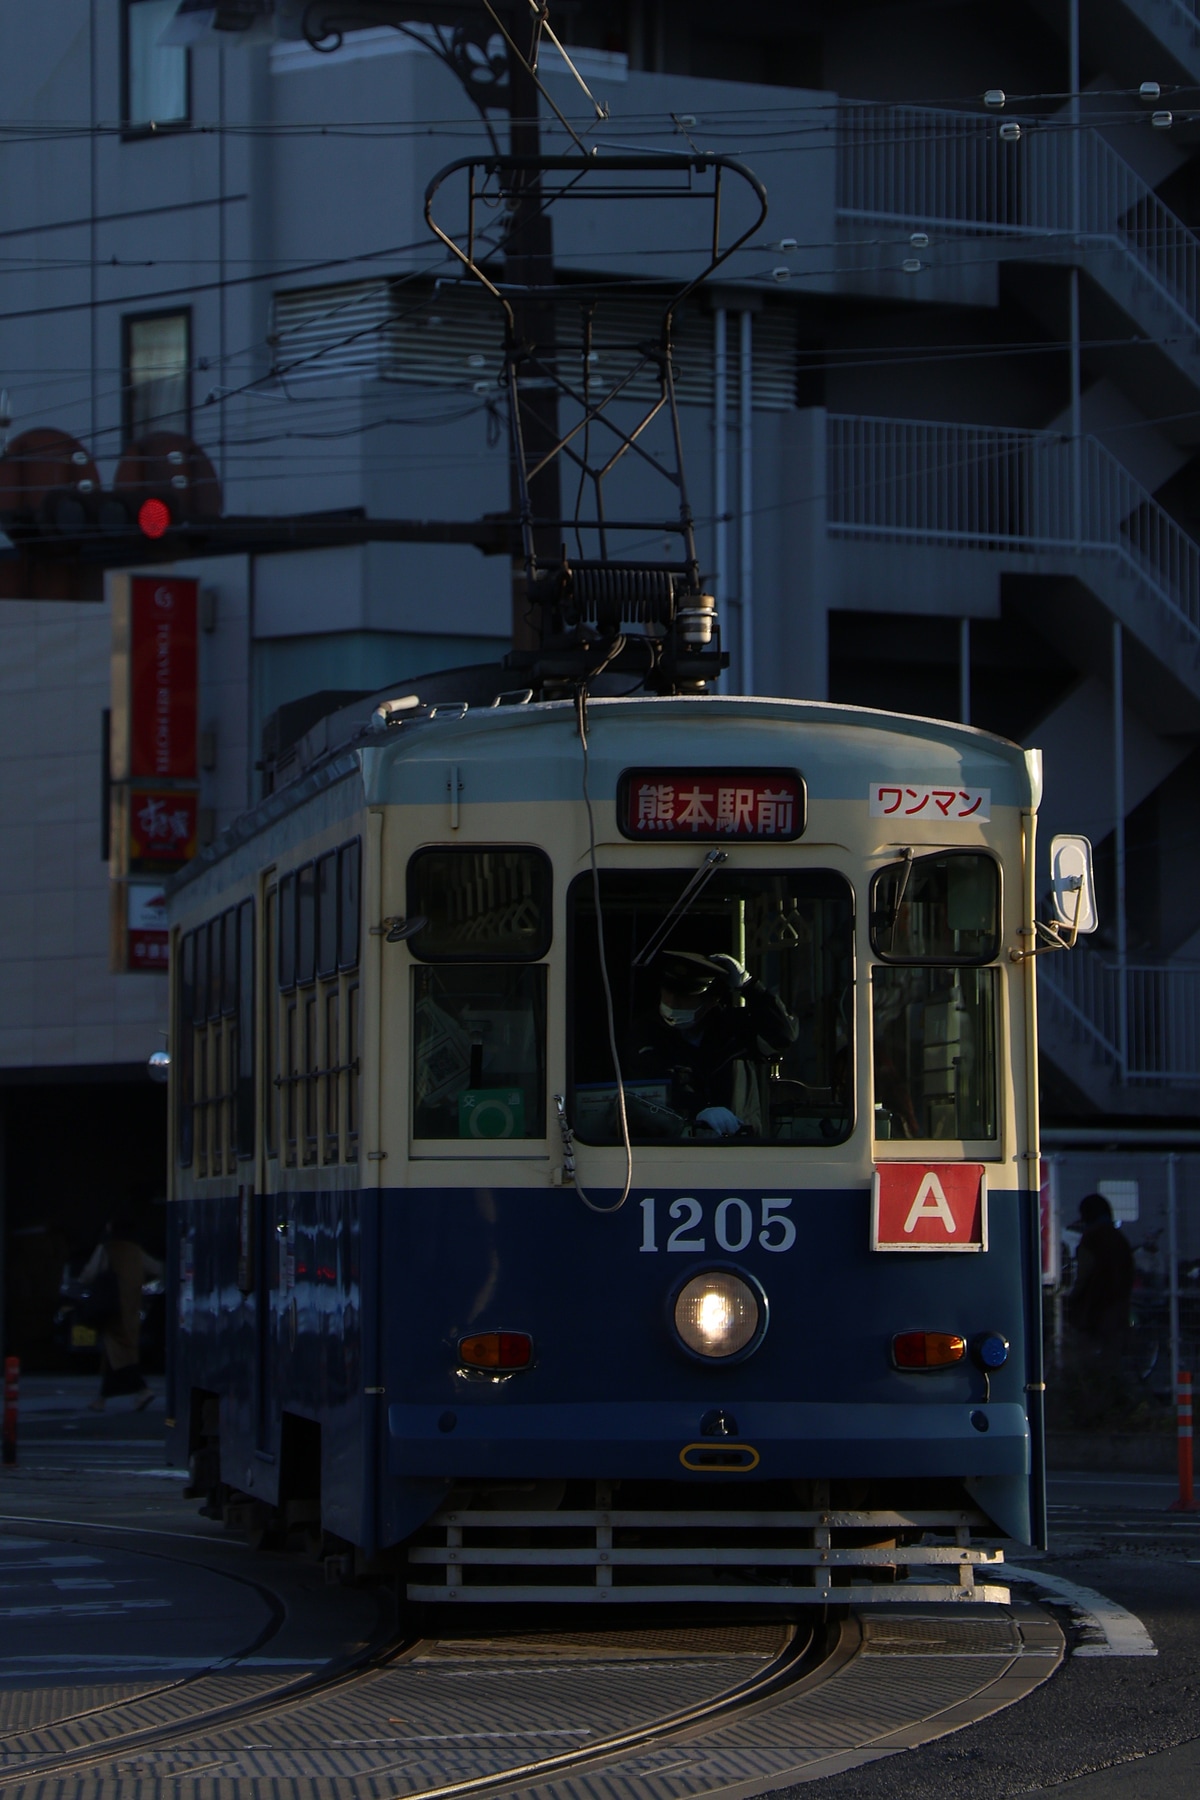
{"x": 165, "y": 505}
{"x": 65, "y": 528}
{"x": 164, "y": 481}
{"x": 154, "y": 517}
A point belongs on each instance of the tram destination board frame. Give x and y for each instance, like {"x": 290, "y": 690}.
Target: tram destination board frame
{"x": 712, "y": 804}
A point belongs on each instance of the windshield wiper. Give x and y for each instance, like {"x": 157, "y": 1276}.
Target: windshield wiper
{"x": 683, "y": 905}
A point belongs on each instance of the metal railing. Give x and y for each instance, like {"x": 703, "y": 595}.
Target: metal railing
{"x": 991, "y": 487}
{"x": 1153, "y": 1036}
{"x": 952, "y": 172}
{"x": 1187, "y": 13}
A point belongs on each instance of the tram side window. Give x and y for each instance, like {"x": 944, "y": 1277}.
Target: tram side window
{"x": 479, "y": 992}
{"x": 215, "y": 1014}
{"x": 937, "y": 909}
{"x": 734, "y": 1025}
{"x": 934, "y": 920}
{"x": 315, "y": 1015}
{"x": 935, "y": 1052}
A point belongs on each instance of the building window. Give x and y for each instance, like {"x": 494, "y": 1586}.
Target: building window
{"x": 156, "y": 75}
{"x": 158, "y": 355}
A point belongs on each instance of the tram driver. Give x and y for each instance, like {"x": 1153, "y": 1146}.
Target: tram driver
{"x": 716, "y": 1027}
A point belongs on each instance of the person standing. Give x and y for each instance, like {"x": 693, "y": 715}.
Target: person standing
{"x": 120, "y": 1254}
{"x": 1098, "y": 1304}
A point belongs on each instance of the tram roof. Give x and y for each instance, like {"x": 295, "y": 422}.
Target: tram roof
{"x": 530, "y": 753}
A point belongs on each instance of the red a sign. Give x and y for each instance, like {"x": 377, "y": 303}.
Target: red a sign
{"x": 929, "y": 1206}
{"x": 162, "y": 677}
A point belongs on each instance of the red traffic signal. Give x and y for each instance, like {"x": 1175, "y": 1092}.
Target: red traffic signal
{"x": 154, "y": 517}
{"x": 165, "y": 480}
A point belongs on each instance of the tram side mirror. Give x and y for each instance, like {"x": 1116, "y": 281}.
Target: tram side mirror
{"x": 1072, "y": 884}
{"x": 158, "y": 1065}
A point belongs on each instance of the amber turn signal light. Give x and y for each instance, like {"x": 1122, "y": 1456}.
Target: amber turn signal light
{"x": 928, "y": 1349}
{"x": 496, "y": 1350}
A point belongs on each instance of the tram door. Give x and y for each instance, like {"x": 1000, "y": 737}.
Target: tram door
{"x": 266, "y": 1264}
{"x": 258, "y": 1262}
{"x": 268, "y": 1248}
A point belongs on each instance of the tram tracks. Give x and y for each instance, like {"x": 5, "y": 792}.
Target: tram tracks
{"x": 382, "y": 1647}
{"x": 610, "y": 1710}
{"x": 196, "y": 1737}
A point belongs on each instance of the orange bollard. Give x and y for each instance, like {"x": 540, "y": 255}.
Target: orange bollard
{"x": 12, "y": 1379}
{"x": 1187, "y": 1497}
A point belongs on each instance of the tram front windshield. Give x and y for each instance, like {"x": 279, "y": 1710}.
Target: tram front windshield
{"x": 734, "y": 1027}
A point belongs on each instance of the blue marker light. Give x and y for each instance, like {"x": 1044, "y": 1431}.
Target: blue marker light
{"x": 990, "y": 1350}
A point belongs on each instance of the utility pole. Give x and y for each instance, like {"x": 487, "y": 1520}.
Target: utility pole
{"x": 529, "y": 269}
{"x": 527, "y": 248}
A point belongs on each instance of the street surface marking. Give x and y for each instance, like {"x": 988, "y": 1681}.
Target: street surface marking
{"x": 23, "y": 1667}
{"x": 63, "y": 1562}
{"x": 1114, "y": 1630}
{"x": 80, "y": 1609}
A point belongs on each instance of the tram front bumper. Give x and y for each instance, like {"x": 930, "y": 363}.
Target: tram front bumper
{"x": 663, "y": 1441}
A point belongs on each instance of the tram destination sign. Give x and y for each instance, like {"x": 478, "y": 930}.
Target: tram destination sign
{"x": 929, "y": 1206}
{"x": 711, "y": 805}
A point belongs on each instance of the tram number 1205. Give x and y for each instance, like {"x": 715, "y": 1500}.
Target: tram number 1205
{"x": 733, "y": 1225}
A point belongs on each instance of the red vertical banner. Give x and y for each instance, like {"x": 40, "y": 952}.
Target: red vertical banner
{"x": 1048, "y": 1216}
{"x": 163, "y": 677}
{"x": 154, "y": 764}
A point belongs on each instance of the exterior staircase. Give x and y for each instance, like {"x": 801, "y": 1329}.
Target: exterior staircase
{"x": 1126, "y": 1044}
{"x": 1129, "y": 1041}
{"x": 1173, "y": 24}
{"x": 1057, "y": 195}
{"x": 1032, "y": 502}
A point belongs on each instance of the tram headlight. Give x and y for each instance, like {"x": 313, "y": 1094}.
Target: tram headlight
{"x": 719, "y": 1314}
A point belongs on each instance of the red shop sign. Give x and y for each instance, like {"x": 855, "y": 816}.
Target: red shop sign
{"x": 163, "y": 677}
{"x": 147, "y": 938}
{"x": 929, "y": 1206}
{"x": 714, "y": 804}
{"x": 162, "y": 825}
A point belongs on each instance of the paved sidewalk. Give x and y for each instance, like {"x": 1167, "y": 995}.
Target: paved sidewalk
{"x": 55, "y": 1406}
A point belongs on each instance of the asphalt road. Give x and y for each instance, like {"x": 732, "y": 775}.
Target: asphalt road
{"x": 1104, "y": 1728}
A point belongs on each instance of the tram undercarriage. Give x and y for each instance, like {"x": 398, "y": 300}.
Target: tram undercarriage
{"x": 631, "y": 1543}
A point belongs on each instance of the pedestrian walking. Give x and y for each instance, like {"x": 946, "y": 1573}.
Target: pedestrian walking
{"x": 117, "y": 1269}
{"x": 1098, "y": 1306}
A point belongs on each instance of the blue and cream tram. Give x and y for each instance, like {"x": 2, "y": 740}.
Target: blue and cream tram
{"x": 604, "y": 1151}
